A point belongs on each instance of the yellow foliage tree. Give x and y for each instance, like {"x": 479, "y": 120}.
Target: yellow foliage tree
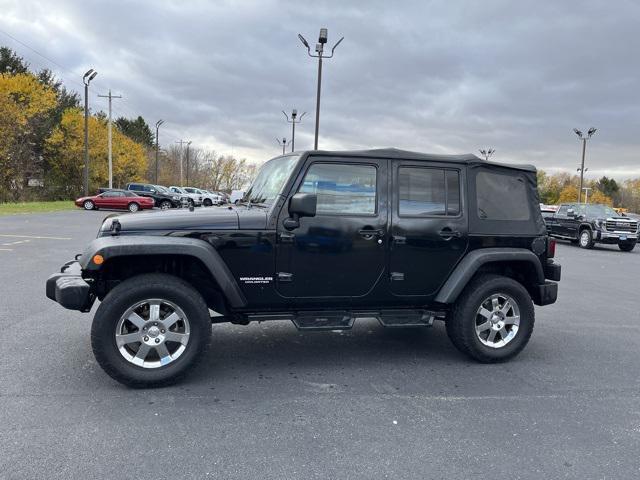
{"x": 23, "y": 99}
{"x": 569, "y": 194}
{"x": 65, "y": 154}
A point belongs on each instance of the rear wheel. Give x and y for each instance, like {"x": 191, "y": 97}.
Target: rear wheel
{"x": 492, "y": 319}
{"x": 133, "y": 207}
{"x": 626, "y": 246}
{"x": 586, "y": 239}
{"x": 150, "y": 330}
{"x": 89, "y": 205}
{"x": 207, "y": 202}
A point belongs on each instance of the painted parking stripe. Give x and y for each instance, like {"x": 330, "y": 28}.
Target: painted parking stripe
{"x": 34, "y": 236}
{"x": 6, "y": 249}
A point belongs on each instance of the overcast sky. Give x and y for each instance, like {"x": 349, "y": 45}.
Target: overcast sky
{"x": 439, "y": 77}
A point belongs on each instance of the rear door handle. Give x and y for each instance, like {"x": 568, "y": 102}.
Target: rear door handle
{"x": 447, "y": 233}
{"x": 369, "y": 233}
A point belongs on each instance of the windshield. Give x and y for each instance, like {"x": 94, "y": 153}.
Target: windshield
{"x": 270, "y": 180}
{"x": 601, "y": 211}
{"x": 177, "y": 189}
{"x": 160, "y": 188}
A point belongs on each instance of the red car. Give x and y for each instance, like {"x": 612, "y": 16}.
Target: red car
{"x": 116, "y": 199}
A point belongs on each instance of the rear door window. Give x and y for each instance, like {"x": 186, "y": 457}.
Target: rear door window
{"x": 424, "y": 192}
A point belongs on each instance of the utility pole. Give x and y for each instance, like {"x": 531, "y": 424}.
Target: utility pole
{"x": 584, "y": 139}
{"x": 86, "y": 79}
{"x": 188, "y": 144}
{"x": 294, "y": 114}
{"x": 322, "y": 39}
{"x": 181, "y": 142}
{"x": 110, "y": 97}
{"x": 158, "y": 123}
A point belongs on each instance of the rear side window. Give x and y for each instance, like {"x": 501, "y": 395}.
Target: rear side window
{"x": 428, "y": 191}
{"x": 135, "y": 186}
{"x": 342, "y": 189}
{"x": 501, "y": 197}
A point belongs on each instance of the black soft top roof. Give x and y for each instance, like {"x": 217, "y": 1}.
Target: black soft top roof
{"x": 395, "y": 153}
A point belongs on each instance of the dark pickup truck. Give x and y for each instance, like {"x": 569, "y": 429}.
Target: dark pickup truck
{"x": 588, "y": 224}
{"x": 322, "y": 239}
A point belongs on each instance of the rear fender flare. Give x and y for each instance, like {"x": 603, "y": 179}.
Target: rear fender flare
{"x": 138, "y": 245}
{"x": 467, "y": 268}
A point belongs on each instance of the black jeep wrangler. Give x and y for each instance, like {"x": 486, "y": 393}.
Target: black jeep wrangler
{"x": 588, "y": 224}
{"x": 321, "y": 239}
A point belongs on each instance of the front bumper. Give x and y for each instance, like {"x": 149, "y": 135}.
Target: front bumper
{"x": 604, "y": 236}
{"x": 69, "y": 289}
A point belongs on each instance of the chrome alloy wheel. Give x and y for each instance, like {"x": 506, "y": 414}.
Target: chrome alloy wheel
{"x": 497, "y": 320}
{"x": 152, "y": 333}
{"x": 584, "y": 238}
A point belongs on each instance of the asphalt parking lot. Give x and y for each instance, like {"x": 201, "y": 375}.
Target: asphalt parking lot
{"x": 269, "y": 402}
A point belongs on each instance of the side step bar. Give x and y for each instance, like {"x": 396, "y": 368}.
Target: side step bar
{"x": 344, "y": 320}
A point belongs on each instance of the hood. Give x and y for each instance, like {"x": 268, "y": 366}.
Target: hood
{"x": 175, "y": 220}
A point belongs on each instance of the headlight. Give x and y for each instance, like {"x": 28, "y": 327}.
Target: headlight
{"x": 599, "y": 223}
{"x": 175, "y": 197}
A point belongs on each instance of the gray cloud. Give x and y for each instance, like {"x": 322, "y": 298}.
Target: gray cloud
{"x": 430, "y": 76}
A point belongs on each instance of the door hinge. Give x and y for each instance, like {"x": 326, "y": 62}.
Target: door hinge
{"x": 397, "y": 276}
{"x": 285, "y": 277}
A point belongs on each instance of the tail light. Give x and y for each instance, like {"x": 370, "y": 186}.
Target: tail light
{"x": 551, "y": 247}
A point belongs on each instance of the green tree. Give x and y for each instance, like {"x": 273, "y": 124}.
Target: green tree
{"x": 608, "y": 186}
{"x": 11, "y": 63}
{"x": 137, "y": 130}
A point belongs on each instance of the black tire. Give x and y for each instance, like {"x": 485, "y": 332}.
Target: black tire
{"x": 165, "y": 205}
{"x": 127, "y": 294}
{"x": 89, "y": 205}
{"x": 461, "y": 325}
{"x": 133, "y": 207}
{"x": 626, "y": 246}
{"x": 191, "y": 202}
{"x": 585, "y": 240}
{"x": 207, "y": 202}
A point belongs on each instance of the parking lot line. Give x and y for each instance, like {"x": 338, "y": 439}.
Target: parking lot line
{"x": 6, "y": 249}
{"x": 34, "y": 236}
{"x": 14, "y": 243}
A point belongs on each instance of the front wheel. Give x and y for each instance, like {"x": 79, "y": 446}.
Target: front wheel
{"x": 207, "y": 202}
{"x": 88, "y": 205}
{"x": 626, "y": 246}
{"x": 165, "y": 205}
{"x": 586, "y": 239}
{"x": 150, "y": 330}
{"x": 492, "y": 319}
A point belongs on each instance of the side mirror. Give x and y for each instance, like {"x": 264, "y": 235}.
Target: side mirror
{"x": 300, "y": 205}
{"x": 571, "y": 212}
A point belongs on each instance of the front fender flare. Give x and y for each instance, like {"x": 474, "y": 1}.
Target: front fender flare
{"x": 136, "y": 245}
{"x": 468, "y": 267}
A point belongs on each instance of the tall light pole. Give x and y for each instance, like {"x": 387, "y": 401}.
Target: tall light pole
{"x": 322, "y": 39}
{"x": 293, "y": 121}
{"x": 158, "y": 123}
{"x": 283, "y": 144}
{"x": 188, "y": 144}
{"x": 110, "y": 97}
{"x": 181, "y": 142}
{"x": 584, "y": 139}
{"x": 86, "y": 79}
{"x": 487, "y": 153}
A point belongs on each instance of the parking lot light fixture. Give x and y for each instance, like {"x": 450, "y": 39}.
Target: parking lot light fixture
{"x": 293, "y": 121}
{"x": 486, "y": 153}
{"x": 158, "y": 123}
{"x": 582, "y": 170}
{"x": 322, "y": 40}
{"x": 283, "y": 144}
{"x": 86, "y": 79}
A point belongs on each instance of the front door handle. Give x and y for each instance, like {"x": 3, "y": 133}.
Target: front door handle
{"x": 448, "y": 234}
{"x": 369, "y": 233}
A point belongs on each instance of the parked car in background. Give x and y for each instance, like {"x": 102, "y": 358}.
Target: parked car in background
{"x": 117, "y": 199}
{"x": 208, "y": 198}
{"x": 588, "y": 224}
{"x": 183, "y": 199}
{"x": 219, "y": 198}
{"x": 195, "y": 199}
{"x": 236, "y": 196}
{"x": 547, "y": 211}
{"x": 161, "y": 199}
